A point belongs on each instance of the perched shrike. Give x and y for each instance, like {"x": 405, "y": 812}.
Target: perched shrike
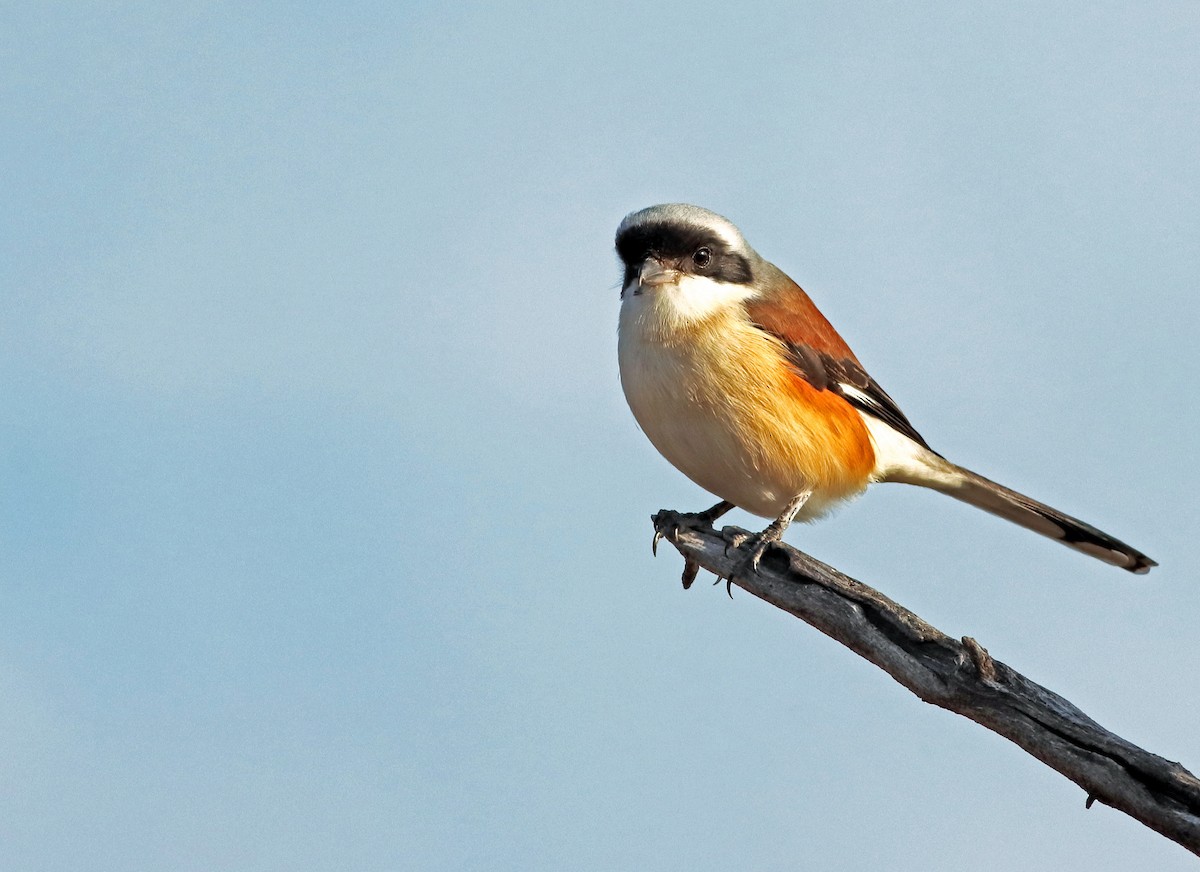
{"x": 743, "y": 385}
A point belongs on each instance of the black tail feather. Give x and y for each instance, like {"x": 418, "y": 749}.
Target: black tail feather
{"x": 1041, "y": 518}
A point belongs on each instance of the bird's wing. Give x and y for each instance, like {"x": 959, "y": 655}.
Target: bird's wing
{"x": 816, "y": 351}
{"x": 846, "y": 378}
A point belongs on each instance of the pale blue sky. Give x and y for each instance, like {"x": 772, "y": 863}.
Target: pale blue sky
{"x": 324, "y": 537}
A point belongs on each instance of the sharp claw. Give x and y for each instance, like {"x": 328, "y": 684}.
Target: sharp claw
{"x": 654, "y": 543}
{"x": 728, "y": 582}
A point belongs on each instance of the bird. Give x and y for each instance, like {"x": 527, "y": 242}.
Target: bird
{"x": 741, "y": 383}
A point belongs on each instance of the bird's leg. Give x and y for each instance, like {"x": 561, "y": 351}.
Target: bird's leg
{"x": 762, "y": 541}
{"x": 710, "y": 515}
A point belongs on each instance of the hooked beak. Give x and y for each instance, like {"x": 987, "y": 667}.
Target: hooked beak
{"x": 653, "y": 274}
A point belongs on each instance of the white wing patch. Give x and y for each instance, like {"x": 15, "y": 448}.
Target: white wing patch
{"x": 899, "y": 458}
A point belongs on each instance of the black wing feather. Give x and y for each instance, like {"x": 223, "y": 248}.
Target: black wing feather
{"x": 849, "y": 381}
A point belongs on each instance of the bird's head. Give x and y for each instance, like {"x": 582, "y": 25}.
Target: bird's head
{"x": 698, "y": 261}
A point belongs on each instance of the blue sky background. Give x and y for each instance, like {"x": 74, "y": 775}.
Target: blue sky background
{"x": 324, "y": 536}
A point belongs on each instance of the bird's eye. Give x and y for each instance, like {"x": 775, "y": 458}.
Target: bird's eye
{"x": 702, "y": 257}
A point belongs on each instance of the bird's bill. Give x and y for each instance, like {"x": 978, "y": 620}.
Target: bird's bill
{"x": 653, "y": 274}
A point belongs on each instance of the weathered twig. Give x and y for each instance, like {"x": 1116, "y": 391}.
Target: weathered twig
{"x": 959, "y": 676}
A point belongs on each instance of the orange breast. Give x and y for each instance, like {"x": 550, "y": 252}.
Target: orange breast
{"x": 805, "y": 435}
{"x": 724, "y": 407}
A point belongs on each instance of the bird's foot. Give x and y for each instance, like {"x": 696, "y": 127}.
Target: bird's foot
{"x": 667, "y": 525}
{"x": 752, "y": 557}
{"x": 760, "y": 542}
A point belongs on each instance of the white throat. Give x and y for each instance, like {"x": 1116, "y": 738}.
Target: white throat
{"x": 678, "y": 306}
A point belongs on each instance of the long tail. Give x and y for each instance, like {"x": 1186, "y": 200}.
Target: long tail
{"x": 962, "y": 484}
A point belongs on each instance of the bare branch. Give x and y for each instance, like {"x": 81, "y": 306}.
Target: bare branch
{"x": 957, "y": 675}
